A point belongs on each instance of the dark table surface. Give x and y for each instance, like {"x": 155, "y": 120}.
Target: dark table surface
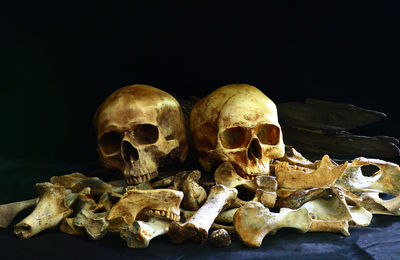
{"x": 380, "y": 240}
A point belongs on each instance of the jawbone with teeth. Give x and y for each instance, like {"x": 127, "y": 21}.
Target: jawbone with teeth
{"x": 159, "y": 202}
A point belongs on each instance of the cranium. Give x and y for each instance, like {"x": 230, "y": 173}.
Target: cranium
{"x": 239, "y": 124}
{"x": 137, "y": 128}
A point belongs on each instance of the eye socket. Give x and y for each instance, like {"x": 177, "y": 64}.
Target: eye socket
{"x": 110, "y": 142}
{"x": 146, "y": 134}
{"x": 234, "y": 137}
{"x": 268, "y": 134}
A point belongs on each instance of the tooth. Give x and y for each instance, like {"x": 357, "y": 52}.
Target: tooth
{"x": 163, "y": 213}
{"x": 157, "y": 212}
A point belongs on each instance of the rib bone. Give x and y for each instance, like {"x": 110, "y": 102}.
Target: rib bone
{"x": 50, "y": 210}
{"x": 197, "y": 226}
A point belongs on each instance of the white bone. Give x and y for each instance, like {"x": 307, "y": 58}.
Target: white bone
{"x": 197, "y": 226}
{"x": 140, "y": 233}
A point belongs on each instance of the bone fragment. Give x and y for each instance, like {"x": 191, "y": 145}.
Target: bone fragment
{"x": 97, "y": 186}
{"x": 220, "y": 238}
{"x": 386, "y": 180}
{"x": 375, "y": 205}
{"x": 230, "y": 229}
{"x": 293, "y": 157}
{"x": 297, "y": 198}
{"x": 67, "y": 226}
{"x": 10, "y": 210}
{"x": 49, "y": 211}
{"x": 297, "y": 177}
{"x": 253, "y": 222}
{"x": 194, "y": 194}
{"x": 330, "y": 226}
{"x": 95, "y": 224}
{"x": 68, "y": 180}
{"x": 140, "y": 233}
{"x": 159, "y": 201}
{"x": 163, "y": 183}
{"x": 197, "y": 226}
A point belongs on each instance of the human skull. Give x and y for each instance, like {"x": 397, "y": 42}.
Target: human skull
{"x": 237, "y": 123}
{"x": 137, "y": 128}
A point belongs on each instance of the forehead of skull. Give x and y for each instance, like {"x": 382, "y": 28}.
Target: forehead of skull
{"x": 247, "y": 106}
{"x": 130, "y": 105}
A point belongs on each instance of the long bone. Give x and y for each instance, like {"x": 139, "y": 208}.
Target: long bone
{"x": 297, "y": 177}
{"x": 197, "y": 226}
{"x": 386, "y": 180}
{"x": 50, "y": 210}
{"x": 95, "y": 224}
{"x": 253, "y": 222}
{"x": 164, "y": 202}
{"x": 140, "y": 233}
{"x": 264, "y": 186}
{"x": 10, "y": 210}
{"x": 223, "y": 217}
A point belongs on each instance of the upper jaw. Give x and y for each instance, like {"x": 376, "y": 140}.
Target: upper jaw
{"x": 249, "y": 175}
{"x": 134, "y": 179}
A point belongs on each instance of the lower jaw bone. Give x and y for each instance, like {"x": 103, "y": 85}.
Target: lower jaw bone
{"x": 140, "y": 233}
{"x": 197, "y": 226}
{"x": 50, "y": 210}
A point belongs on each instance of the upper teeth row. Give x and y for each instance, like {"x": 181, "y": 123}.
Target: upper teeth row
{"x": 139, "y": 179}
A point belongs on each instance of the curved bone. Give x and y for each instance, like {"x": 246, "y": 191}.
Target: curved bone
{"x": 67, "y": 226}
{"x": 197, "y": 226}
{"x": 194, "y": 194}
{"x": 68, "y": 180}
{"x": 164, "y": 182}
{"x": 293, "y": 157}
{"x": 386, "y": 180}
{"x": 10, "y": 210}
{"x": 158, "y": 201}
{"x": 332, "y": 209}
{"x": 297, "y": 177}
{"x": 49, "y": 212}
{"x": 140, "y": 233}
{"x": 95, "y": 224}
{"x": 375, "y": 205}
{"x": 97, "y": 186}
{"x": 253, "y": 222}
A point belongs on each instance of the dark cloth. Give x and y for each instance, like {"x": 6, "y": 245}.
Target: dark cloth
{"x": 380, "y": 240}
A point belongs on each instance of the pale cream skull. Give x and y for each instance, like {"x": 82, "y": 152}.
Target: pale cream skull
{"x": 137, "y": 127}
{"x": 239, "y": 124}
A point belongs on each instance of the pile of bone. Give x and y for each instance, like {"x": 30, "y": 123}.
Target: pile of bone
{"x": 258, "y": 188}
{"x": 310, "y": 197}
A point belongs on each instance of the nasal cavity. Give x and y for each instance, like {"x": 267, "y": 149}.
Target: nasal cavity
{"x": 129, "y": 153}
{"x": 255, "y": 150}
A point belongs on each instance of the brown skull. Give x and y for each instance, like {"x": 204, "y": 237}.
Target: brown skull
{"x": 137, "y": 128}
{"x": 237, "y": 123}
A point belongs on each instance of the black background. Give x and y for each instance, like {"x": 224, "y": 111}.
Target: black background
{"x": 60, "y": 60}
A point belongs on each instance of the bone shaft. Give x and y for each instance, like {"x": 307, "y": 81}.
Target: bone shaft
{"x": 30, "y": 226}
{"x": 224, "y": 217}
{"x": 216, "y": 200}
{"x": 10, "y": 210}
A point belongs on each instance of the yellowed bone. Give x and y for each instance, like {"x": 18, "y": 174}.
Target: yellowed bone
{"x": 50, "y": 210}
